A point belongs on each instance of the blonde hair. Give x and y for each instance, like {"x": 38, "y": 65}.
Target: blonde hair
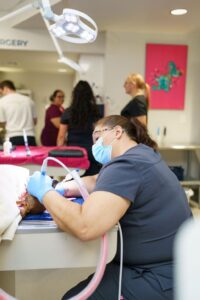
{"x": 138, "y": 80}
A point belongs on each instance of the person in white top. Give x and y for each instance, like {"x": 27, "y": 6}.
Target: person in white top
{"x": 17, "y": 112}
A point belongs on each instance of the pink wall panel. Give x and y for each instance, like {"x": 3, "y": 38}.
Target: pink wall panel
{"x": 166, "y": 74}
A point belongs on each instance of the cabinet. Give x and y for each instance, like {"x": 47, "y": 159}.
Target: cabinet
{"x": 40, "y": 254}
{"x": 187, "y": 156}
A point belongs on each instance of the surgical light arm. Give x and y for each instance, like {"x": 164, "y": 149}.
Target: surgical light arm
{"x": 69, "y": 27}
{"x": 62, "y": 58}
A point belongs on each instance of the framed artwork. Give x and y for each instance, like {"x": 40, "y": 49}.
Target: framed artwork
{"x": 166, "y": 67}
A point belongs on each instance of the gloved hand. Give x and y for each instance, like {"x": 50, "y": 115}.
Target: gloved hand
{"x": 60, "y": 189}
{"x": 39, "y": 185}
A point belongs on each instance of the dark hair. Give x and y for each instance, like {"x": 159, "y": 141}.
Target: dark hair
{"x": 52, "y": 97}
{"x": 83, "y": 105}
{"x": 9, "y": 84}
{"x": 134, "y": 129}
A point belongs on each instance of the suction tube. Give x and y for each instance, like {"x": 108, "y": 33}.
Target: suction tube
{"x": 96, "y": 279}
{"x": 81, "y": 185}
{"x": 74, "y": 174}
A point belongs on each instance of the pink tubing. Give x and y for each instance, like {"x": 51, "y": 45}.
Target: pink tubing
{"x": 96, "y": 279}
{"x": 91, "y": 287}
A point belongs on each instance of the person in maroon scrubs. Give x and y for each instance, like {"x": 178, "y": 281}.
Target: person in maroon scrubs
{"x": 52, "y": 119}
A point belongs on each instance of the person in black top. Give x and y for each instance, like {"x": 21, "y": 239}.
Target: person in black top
{"x": 77, "y": 122}
{"x": 136, "y": 87}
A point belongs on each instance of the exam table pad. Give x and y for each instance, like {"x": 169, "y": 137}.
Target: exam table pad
{"x": 39, "y": 153}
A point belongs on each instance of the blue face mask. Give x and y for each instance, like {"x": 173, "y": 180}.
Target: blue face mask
{"x": 101, "y": 153}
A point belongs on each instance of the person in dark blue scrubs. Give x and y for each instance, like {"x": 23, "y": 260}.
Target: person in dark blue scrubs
{"x": 136, "y": 188}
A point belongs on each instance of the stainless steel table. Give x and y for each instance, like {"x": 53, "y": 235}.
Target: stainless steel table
{"x": 191, "y": 151}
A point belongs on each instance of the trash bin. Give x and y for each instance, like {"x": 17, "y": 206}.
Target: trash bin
{"x": 178, "y": 171}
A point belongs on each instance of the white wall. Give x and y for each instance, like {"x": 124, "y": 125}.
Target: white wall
{"x": 42, "y": 85}
{"x": 93, "y": 66}
{"x": 193, "y": 85}
{"x": 125, "y": 54}
{"x": 40, "y": 40}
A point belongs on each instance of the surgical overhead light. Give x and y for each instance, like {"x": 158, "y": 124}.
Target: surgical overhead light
{"x": 70, "y": 27}
{"x": 62, "y": 58}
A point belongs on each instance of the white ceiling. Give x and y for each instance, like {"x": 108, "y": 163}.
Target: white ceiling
{"x": 117, "y": 15}
{"x": 137, "y": 15}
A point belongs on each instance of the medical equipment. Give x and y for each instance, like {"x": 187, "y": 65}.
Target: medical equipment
{"x": 28, "y": 151}
{"x": 71, "y": 26}
{"x": 90, "y": 288}
{"x": 62, "y": 58}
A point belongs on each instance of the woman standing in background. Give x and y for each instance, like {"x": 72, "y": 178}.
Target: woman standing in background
{"x": 136, "y": 87}
{"x": 52, "y": 119}
{"x": 77, "y": 122}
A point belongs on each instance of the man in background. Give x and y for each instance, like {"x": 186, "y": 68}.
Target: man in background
{"x": 17, "y": 112}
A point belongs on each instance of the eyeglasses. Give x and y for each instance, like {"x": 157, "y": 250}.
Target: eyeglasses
{"x": 100, "y": 132}
{"x": 60, "y": 96}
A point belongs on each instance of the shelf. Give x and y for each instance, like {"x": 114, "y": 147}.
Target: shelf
{"x": 179, "y": 147}
{"x": 190, "y": 183}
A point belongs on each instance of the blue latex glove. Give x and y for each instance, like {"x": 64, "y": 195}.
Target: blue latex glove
{"x": 39, "y": 185}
